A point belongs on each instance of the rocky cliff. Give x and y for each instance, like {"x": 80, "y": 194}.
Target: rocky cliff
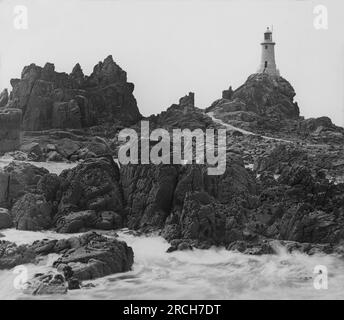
{"x": 265, "y": 104}
{"x": 50, "y": 99}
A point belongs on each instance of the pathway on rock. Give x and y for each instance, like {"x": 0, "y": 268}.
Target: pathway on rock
{"x": 245, "y": 132}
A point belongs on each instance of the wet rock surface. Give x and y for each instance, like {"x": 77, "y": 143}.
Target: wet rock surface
{"x": 86, "y": 257}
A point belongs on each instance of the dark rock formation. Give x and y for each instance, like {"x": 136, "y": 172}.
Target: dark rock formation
{"x": 49, "y": 99}
{"x": 46, "y": 284}
{"x": 5, "y": 219}
{"x": 148, "y": 193}
{"x": 187, "y": 203}
{"x": 32, "y": 212}
{"x": 89, "y": 256}
{"x": 265, "y": 105}
{"x": 227, "y": 94}
{"x": 182, "y": 116}
{"x": 16, "y": 180}
{"x": 4, "y": 98}
{"x": 92, "y": 185}
{"x": 188, "y": 100}
{"x": 10, "y": 120}
{"x": 268, "y": 95}
{"x": 93, "y": 256}
{"x": 12, "y": 255}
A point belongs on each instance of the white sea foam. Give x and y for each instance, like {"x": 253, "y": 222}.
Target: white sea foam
{"x": 199, "y": 274}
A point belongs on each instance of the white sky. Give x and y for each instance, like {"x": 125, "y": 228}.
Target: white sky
{"x": 169, "y": 48}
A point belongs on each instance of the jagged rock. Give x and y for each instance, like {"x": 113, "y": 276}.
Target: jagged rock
{"x": 188, "y": 100}
{"x": 168, "y": 196}
{"x": 32, "y": 212}
{"x": 278, "y": 157}
{"x": 268, "y": 95}
{"x": 5, "y": 219}
{"x": 148, "y": 192}
{"x": 10, "y": 120}
{"x": 3, "y": 98}
{"x": 51, "y": 99}
{"x": 38, "y": 110}
{"x": 263, "y": 103}
{"x": 227, "y": 94}
{"x": 77, "y": 76}
{"x": 17, "y": 179}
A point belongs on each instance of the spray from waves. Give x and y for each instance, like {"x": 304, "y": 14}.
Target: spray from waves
{"x": 198, "y": 274}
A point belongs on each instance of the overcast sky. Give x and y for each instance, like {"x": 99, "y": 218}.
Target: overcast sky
{"x": 169, "y": 48}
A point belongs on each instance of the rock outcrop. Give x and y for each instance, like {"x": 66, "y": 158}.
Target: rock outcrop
{"x": 5, "y": 219}
{"x": 265, "y": 105}
{"x": 89, "y": 256}
{"x": 4, "y": 98}
{"x": 49, "y": 99}
{"x": 186, "y": 203}
{"x": 32, "y": 212}
{"x": 90, "y": 196}
{"x": 93, "y": 256}
{"x": 10, "y": 137}
{"x": 183, "y": 115}
{"x": 18, "y": 179}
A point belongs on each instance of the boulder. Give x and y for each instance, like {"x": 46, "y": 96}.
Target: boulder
{"x": 92, "y": 185}
{"x": 67, "y": 147}
{"x": 77, "y": 221}
{"x": 93, "y": 256}
{"x": 86, "y": 257}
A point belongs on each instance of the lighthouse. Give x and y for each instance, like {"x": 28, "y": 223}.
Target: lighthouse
{"x": 268, "y": 63}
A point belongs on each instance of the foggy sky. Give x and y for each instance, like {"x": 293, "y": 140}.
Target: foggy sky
{"x": 169, "y": 48}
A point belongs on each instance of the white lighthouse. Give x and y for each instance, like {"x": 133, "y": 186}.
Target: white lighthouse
{"x": 268, "y": 63}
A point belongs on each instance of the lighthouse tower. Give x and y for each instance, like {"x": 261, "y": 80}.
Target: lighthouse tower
{"x": 268, "y": 64}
